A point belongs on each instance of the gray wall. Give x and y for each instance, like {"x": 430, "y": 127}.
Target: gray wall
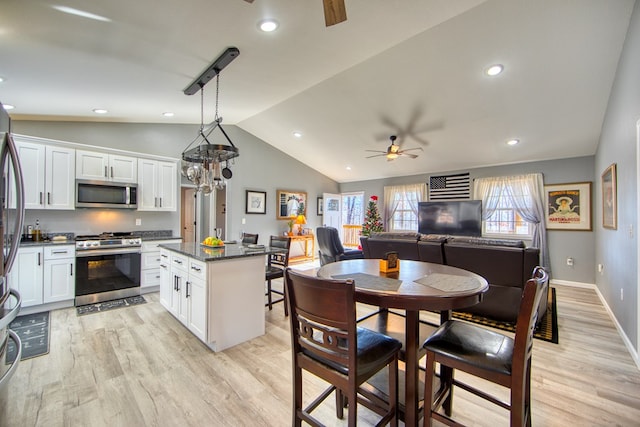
{"x": 617, "y": 249}
{"x": 578, "y": 245}
{"x": 259, "y": 167}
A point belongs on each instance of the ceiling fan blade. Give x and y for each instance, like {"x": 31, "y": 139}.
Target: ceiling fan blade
{"x": 249, "y": 1}
{"x": 377, "y": 151}
{"x": 413, "y": 156}
{"x": 334, "y": 12}
{"x": 376, "y": 155}
{"x": 412, "y": 149}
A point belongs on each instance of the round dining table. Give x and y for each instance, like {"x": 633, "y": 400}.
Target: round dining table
{"x": 415, "y": 286}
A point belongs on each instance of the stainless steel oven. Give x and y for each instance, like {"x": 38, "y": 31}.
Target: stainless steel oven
{"x": 107, "y": 267}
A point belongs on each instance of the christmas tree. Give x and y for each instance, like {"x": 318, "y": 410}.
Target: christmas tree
{"x": 372, "y": 220}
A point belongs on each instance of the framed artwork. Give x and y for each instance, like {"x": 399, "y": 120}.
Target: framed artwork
{"x": 609, "y": 198}
{"x": 290, "y": 203}
{"x": 320, "y": 206}
{"x": 568, "y": 206}
{"x": 256, "y": 202}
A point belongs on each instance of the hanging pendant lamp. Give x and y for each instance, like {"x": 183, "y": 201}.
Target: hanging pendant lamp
{"x": 202, "y": 164}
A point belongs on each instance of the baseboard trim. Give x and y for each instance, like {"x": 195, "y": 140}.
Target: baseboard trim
{"x": 625, "y": 339}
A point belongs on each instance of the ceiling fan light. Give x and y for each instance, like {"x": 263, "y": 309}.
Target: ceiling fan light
{"x": 392, "y": 156}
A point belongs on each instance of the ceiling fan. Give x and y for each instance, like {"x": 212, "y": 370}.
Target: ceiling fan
{"x": 394, "y": 151}
{"x": 334, "y": 11}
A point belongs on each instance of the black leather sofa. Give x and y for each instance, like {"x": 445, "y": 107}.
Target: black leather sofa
{"x": 506, "y": 264}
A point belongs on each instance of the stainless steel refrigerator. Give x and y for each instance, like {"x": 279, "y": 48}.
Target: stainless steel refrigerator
{"x": 11, "y": 222}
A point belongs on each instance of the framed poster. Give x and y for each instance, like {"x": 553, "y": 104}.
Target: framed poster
{"x": 568, "y": 206}
{"x": 256, "y": 202}
{"x": 320, "y": 202}
{"x": 609, "y": 198}
{"x": 291, "y": 203}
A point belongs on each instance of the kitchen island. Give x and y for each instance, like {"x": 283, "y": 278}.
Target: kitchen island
{"x": 216, "y": 292}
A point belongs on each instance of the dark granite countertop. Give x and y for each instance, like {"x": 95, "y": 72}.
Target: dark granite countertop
{"x": 229, "y": 251}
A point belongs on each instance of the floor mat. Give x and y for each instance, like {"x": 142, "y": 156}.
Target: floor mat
{"x": 110, "y": 305}
{"x": 33, "y": 330}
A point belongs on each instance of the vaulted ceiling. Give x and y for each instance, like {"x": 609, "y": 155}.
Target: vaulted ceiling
{"x": 411, "y": 68}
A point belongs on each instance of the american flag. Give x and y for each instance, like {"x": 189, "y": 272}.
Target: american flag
{"x": 449, "y": 187}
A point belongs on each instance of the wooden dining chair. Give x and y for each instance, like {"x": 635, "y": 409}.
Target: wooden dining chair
{"x": 326, "y": 342}
{"x": 486, "y": 354}
{"x": 276, "y": 264}
{"x": 249, "y": 239}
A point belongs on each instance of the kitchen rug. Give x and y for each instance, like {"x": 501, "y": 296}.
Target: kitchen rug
{"x": 110, "y": 305}
{"x": 33, "y": 330}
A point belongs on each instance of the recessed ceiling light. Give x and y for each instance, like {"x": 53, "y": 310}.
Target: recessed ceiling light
{"x": 1, "y": 79}
{"x": 268, "y": 25}
{"x": 494, "y": 70}
{"x": 100, "y": 111}
{"x": 297, "y": 134}
{"x": 81, "y": 13}
{"x": 513, "y": 141}
{"x": 348, "y": 168}
{"x": 168, "y": 114}
{"x": 8, "y": 106}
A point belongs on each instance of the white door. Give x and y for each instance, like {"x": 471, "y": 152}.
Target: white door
{"x": 33, "y": 167}
{"x": 332, "y": 211}
{"x": 167, "y": 186}
{"x": 197, "y": 305}
{"x": 147, "y": 185}
{"x": 26, "y": 275}
{"x": 91, "y": 165}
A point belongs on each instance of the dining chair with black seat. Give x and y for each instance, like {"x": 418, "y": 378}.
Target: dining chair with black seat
{"x": 330, "y": 247}
{"x": 327, "y": 343}
{"x": 249, "y": 239}
{"x": 276, "y": 264}
{"x": 492, "y": 356}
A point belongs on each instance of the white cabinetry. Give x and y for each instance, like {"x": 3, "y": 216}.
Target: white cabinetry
{"x": 59, "y": 273}
{"x": 187, "y": 300}
{"x": 49, "y": 175}
{"x": 151, "y": 264}
{"x": 93, "y": 165}
{"x": 26, "y": 275}
{"x": 157, "y": 185}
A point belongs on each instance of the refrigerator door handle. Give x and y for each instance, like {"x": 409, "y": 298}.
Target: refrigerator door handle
{"x": 9, "y": 149}
{"x": 7, "y": 375}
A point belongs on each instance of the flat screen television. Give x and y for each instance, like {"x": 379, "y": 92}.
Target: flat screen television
{"x": 456, "y": 218}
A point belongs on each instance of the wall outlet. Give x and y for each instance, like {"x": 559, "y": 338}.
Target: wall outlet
{"x": 570, "y": 262}
{"x": 621, "y": 294}
{"x": 244, "y": 221}
{"x": 600, "y": 268}
{"x": 138, "y": 221}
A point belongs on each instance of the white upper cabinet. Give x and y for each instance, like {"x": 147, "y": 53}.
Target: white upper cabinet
{"x": 49, "y": 176}
{"x": 157, "y": 185}
{"x": 92, "y": 165}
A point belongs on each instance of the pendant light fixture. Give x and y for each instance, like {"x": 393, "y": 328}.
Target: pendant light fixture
{"x": 203, "y": 164}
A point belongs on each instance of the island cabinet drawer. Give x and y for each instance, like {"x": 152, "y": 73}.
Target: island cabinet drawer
{"x": 150, "y": 277}
{"x": 197, "y": 269}
{"x": 59, "y": 252}
{"x": 165, "y": 257}
{"x": 180, "y": 262}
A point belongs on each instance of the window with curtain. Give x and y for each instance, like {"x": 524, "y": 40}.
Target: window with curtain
{"x": 514, "y": 206}
{"x": 401, "y": 206}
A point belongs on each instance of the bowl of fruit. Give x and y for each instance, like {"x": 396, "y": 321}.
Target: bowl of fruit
{"x": 212, "y": 242}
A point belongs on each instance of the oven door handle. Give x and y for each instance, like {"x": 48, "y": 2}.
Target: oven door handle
{"x": 110, "y": 251}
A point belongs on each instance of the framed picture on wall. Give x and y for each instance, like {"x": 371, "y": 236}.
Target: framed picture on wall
{"x": 320, "y": 202}
{"x": 568, "y": 206}
{"x": 291, "y": 203}
{"x": 256, "y": 202}
{"x": 609, "y": 198}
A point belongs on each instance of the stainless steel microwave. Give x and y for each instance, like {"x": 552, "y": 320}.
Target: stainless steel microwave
{"x": 104, "y": 194}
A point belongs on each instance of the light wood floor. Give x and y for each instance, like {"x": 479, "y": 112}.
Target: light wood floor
{"x": 138, "y": 366}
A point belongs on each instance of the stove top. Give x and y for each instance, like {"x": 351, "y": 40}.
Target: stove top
{"x": 108, "y": 239}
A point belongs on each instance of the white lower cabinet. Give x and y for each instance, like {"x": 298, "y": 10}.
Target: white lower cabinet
{"x": 150, "y": 274}
{"x": 26, "y": 275}
{"x": 44, "y": 274}
{"x": 184, "y": 292}
{"x": 59, "y": 273}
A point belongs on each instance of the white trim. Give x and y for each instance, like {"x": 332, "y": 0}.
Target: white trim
{"x": 636, "y": 236}
{"x": 625, "y": 339}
